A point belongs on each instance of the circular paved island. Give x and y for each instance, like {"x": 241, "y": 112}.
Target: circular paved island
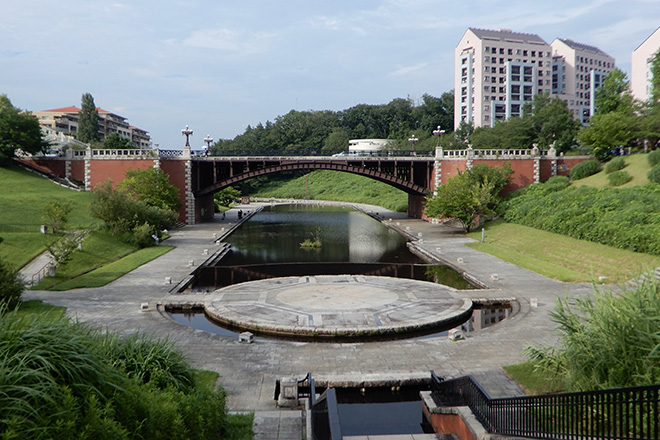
{"x": 330, "y": 307}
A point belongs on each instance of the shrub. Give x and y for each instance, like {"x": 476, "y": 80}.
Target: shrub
{"x": 618, "y": 178}
{"x": 11, "y": 286}
{"x": 585, "y": 169}
{"x": 654, "y": 157}
{"x": 615, "y": 164}
{"x": 654, "y": 174}
{"x": 556, "y": 183}
{"x": 142, "y": 234}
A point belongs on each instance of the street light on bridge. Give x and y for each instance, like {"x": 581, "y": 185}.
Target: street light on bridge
{"x": 187, "y": 132}
{"x": 437, "y": 133}
{"x": 413, "y": 140}
{"x": 208, "y": 139}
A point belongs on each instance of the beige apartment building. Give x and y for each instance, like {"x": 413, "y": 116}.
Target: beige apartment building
{"x": 65, "y": 120}
{"x": 578, "y": 71}
{"x": 640, "y": 69}
{"x": 498, "y": 71}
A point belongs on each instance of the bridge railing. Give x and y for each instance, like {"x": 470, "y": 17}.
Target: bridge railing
{"x": 622, "y": 414}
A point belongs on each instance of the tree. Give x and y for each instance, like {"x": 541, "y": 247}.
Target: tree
{"x": 552, "y": 122}
{"x": 88, "y": 121}
{"x": 18, "y": 130}
{"x": 114, "y": 141}
{"x": 151, "y": 186}
{"x": 226, "y": 196}
{"x": 607, "y": 131}
{"x": 54, "y": 213}
{"x": 614, "y": 95}
{"x": 11, "y": 286}
{"x": 469, "y": 196}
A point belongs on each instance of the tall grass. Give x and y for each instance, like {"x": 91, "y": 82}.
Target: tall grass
{"x": 63, "y": 380}
{"x": 608, "y": 340}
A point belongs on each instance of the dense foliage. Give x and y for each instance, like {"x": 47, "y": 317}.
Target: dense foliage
{"x": 18, "y": 130}
{"x": 63, "y": 380}
{"x": 654, "y": 157}
{"x": 654, "y": 174}
{"x": 151, "y": 186}
{"x": 11, "y": 286}
{"x": 608, "y": 341}
{"x": 327, "y": 132}
{"x": 545, "y": 121}
{"x": 626, "y": 218}
{"x": 470, "y": 196}
{"x": 585, "y": 169}
{"x": 114, "y": 141}
{"x": 123, "y": 214}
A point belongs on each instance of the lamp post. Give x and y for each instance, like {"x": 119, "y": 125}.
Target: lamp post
{"x": 187, "y": 132}
{"x": 437, "y": 133}
{"x": 413, "y": 140}
{"x": 208, "y": 139}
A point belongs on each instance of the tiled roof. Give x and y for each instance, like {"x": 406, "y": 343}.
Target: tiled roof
{"x": 72, "y": 109}
{"x": 507, "y": 35}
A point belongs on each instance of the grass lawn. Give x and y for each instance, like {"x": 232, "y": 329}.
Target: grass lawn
{"x": 559, "y": 257}
{"x": 22, "y": 198}
{"x": 637, "y": 166}
{"x": 532, "y": 381}
{"x": 102, "y": 259}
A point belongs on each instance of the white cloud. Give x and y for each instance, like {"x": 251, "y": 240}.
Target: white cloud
{"x": 407, "y": 70}
{"x": 228, "y": 40}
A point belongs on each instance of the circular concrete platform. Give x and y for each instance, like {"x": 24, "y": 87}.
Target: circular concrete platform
{"x": 345, "y": 306}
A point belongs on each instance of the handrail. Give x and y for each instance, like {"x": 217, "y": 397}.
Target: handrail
{"x": 325, "y": 417}
{"x": 621, "y": 414}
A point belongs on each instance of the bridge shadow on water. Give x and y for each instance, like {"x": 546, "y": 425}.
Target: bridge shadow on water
{"x": 212, "y": 278}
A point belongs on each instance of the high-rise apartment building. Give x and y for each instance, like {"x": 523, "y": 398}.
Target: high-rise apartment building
{"x": 640, "y": 72}
{"x": 498, "y": 71}
{"x": 578, "y": 71}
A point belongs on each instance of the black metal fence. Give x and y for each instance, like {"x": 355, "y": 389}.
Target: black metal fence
{"x": 621, "y": 414}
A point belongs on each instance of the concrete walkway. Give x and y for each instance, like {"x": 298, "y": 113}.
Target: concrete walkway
{"x": 248, "y": 371}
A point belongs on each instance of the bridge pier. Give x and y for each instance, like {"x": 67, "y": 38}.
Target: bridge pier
{"x": 416, "y": 206}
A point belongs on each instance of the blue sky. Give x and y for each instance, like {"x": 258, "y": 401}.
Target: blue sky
{"x": 219, "y": 66}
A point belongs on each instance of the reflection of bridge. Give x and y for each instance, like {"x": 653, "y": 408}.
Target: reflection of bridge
{"x": 197, "y": 177}
{"x": 216, "y": 277}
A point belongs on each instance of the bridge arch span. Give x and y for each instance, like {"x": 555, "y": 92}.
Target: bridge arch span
{"x": 390, "y": 179}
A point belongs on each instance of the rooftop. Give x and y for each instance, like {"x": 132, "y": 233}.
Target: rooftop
{"x": 580, "y": 46}
{"x": 508, "y": 35}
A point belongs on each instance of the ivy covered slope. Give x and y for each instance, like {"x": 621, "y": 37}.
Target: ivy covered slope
{"x": 626, "y": 218}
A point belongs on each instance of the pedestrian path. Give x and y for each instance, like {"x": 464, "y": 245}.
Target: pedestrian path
{"x": 248, "y": 371}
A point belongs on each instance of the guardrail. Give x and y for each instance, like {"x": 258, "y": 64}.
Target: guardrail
{"x": 621, "y": 414}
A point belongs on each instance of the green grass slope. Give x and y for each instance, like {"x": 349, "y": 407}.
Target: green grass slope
{"x": 22, "y": 198}
{"x": 636, "y": 165}
{"x": 338, "y": 186}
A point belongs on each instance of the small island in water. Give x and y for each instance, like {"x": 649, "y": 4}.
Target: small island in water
{"x": 313, "y": 243}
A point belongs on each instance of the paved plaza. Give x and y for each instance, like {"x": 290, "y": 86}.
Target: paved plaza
{"x": 248, "y": 371}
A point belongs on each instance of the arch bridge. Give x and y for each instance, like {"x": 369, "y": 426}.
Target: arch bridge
{"x": 198, "y": 176}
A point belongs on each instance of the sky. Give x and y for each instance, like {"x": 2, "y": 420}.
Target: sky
{"x": 219, "y": 65}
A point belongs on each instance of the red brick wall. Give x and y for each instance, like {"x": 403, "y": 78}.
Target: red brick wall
{"x": 176, "y": 170}
{"x": 53, "y": 166}
{"x": 115, "y": 170}
{"x": 78, "y": 170}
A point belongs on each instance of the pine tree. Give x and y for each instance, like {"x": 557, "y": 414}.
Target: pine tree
{"x": 88, "y": 123}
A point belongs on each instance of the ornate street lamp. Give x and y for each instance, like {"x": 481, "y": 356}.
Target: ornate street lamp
{"x": 437, "y": 133}
{"x": 208, "y": 139}
{"x": 187, "y": 132}
{"x": 413, "y": 140}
